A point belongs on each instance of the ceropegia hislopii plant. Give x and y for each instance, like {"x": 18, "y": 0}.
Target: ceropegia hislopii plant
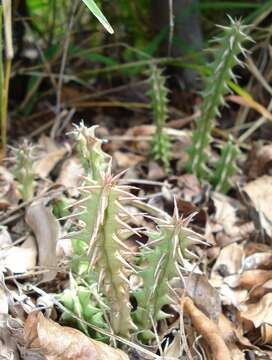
{"x": 161, "y": 263}
{"x": 226, "y": 166}
{"x": 215, "y": 87}
{"x": 158, "y": 93}
{"x": 104, "y": 220}
{"x": 24, "y": 170}
{"x": 100, "y": 246}
{"x": 84, "y": 301}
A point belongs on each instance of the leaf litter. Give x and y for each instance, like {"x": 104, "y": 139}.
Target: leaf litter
{"x": 221, "y": 303}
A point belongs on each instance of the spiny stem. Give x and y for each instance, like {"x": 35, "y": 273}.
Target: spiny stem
{"x": 215, "y": 87}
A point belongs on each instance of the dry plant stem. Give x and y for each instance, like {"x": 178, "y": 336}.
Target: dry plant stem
{"x": 9, "y": 56}
{"x": 171, "y": 27}
{"x": 1, "y": 81}
{"x": 258, "y": 75}
{"x": 62, "y": 67}
{"x": 46, "y": 64}
{"x": 208, "y": 329}
{"x": 255, "y": 126}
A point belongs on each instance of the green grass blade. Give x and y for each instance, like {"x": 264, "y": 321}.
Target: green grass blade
{"x": 98, "y": 14}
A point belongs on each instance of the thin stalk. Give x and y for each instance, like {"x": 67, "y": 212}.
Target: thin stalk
{"x": 5, "y": 95}
{"x": 1, "y": 80}
{"x": 7, "y": 5}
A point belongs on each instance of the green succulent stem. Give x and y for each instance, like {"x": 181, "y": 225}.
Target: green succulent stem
{"x": 158, "y": 93}
{"x": 160, "y": 266}
{"x": 104, "y": 219}
{"x": 215, "y": 87}
{"x": 226, "y": 166}
{"x": 24, "y": 170}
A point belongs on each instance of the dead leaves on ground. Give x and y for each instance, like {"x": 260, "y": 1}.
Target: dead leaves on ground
{"x": 56, "y": 342}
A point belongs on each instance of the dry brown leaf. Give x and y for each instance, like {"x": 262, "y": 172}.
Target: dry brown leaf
{"x": 259, "y": 313}
{"x": 260, "y": 161}
{"x": 231, "y": 336}
{"x": 266, "y": 334}
{"x": 58, "y": 342}
{"x": 249, "y": 279}
{"x": 46, "y": 230}
{"x": 20, "y": 259}
{"x": 69, "y": 176}
{"x": 233, "y": 297}
{"x": 47, "y": 163}
{"x": 155, "y": 171}
{"x": 204, "y": 295}
{"x": 126, "y": 160}
{"x": 260, "y": 194}
{"x": 9, "y": 194}
{"x": 259, "y": 260}
{"x": 248, "y": 101}
{"x": 208, "y": 329}
{"x": 259, "y": 291}
{"x": 229, "y": 260}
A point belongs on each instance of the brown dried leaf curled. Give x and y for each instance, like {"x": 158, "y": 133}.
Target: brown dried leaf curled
{"x": 56, "y": 342}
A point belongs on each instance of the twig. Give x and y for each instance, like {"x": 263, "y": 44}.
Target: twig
{"x": 62, "y": 68}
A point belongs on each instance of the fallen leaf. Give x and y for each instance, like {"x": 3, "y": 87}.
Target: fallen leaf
{"x": 47, "y": 163}
{"x": 57, "y": 342}
{"x": 248, "y": 279}
{"x": 126, "y": 159}
{"x": 234, "y": 297}
{"x": 266, "y": 334}
{"x": 19, "y": 259}
{"x": 260, "y": 194}
{"x": 225, "y": 213}
{"x": 5, "y": 238}
{"x": 205, "y": 297}
{"x": 247, "y": 100}
{"x": 259, "y": 260}
{"x": 46, "y": 231}
{"x": 208, "y": 329}
{"x": 232, "y": 337}
{"x": 155, "y": 171}
{"x": 259, "y": 291}
{"x": 259, "y": 161}
{"x": 229, "y": 260}
{"x": 69, "y": 176}
{"x": 259, "y": 313}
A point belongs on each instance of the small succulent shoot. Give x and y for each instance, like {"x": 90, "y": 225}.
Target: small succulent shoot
{"x": 158, "y": 93}
{"x": 24, "y": 170}
{"x": 90, "y": 151}
{"x": 104, "y": 220}
{"x": 226, "y": 166}
{"x": 160, "y": 265}
{"x": 84, "y": 302}
{"x": 215, "y": 87}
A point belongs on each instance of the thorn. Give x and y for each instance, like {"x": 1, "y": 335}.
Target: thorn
{"x": 158, "y": 269}
{"x": 131, "y": 215}
{"x": 126, "y": 226}
{"x": 125, "y": 263}
{"x": 120, "y": 242}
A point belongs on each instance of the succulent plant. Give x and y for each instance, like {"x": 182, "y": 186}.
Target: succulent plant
{"x": 84, "y": 302}
{"x": 215, "y": 87}
{"x": 158, "y": 93}
{"x": 100, "y": 248}
{"x": 24, "y": 170}
{"x": 160, "y": 264}
{"x": 101, "y": 238}
{"x": 226, "y": 166}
